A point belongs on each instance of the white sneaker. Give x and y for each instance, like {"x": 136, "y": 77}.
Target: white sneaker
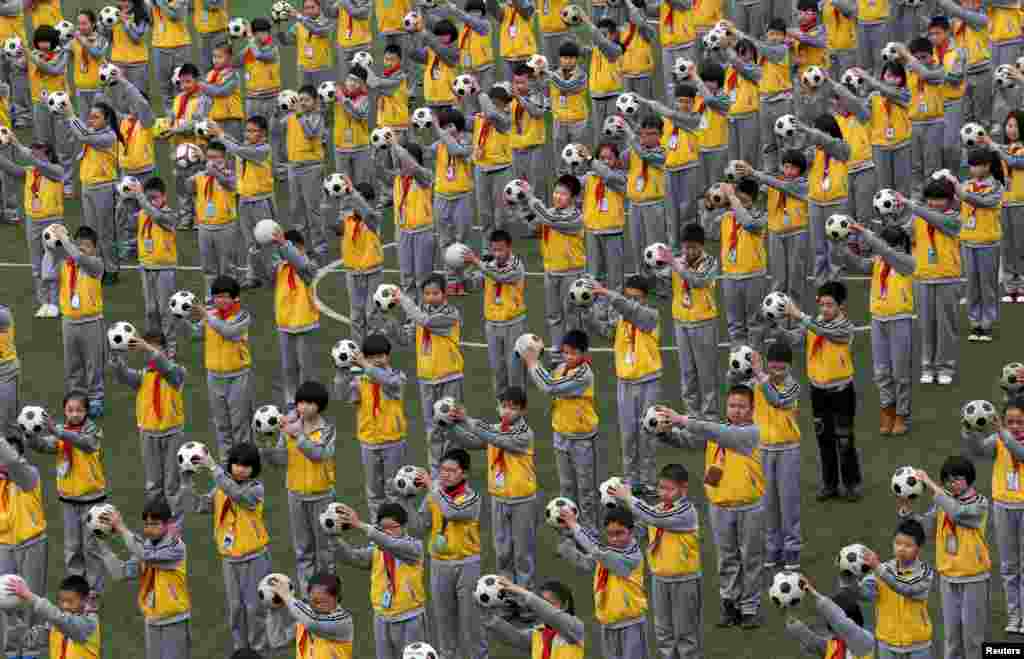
{"x": 945, "y": 378}
{"x": 927, "y": 378}
{"x": 1008, "y": 298}
{"x": 53, "y": 311}
{"x": 1012, "y": 626}
{"x": 963, "y": 302}
{"x": 41, "y": 311}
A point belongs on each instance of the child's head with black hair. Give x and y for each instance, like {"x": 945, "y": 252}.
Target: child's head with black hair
{"x": 776, "y": 31}
{"x": 87, "y": 239}
{"x": 324, "y": 591}
{"x": 355, "y": 81}
{"x": 453, "y": 468}
{"x": 225, "y": 291}
{"x": 567, "y": 189}
{"x": 256, "y": 129}
{"x": 309, "y": 100}
{"x": 500, "y": 241}
{"x": 72, "y": 593}
{"x": 188, "y": 78}
{"x": 216, "y": 154}
{"x": 608, "y": 153}
{"x": 294, "y": 236}
{"x": 780, "y": 352}
{"x": 568, "y": 56}
{"x": 686, "y": 93}
{"x": 908, "y": 540}
{"x": 558, "y": 595}
{"x": 477, "y": 6}
{"x": 794, "y": 163}
{"x": 957, "y": 475}
{"x": 46, "y": 38}
{"x": 831, "y": 298}
{"x": 243, "y": 462}
{"x": 434, "y": 290}
{"x": 511, "y": 403}
{"x": 451, "y": 119}
{"x": 896, "y": 237}
{"x": 894, "y": 73}
{"x": 522, "y": 75}
{"x": 739, "y": 405}
{"x": 807, "y": 13}
{"x": 221, "y": 54}
{"x": 673, "y": 483}
{"x": 1013, "y": 126}
{"x": 827, "y": 124}
{"x": 376, "y": 349}
{"x": 311, "y": 399}
{"x": 392, "y": 58}
{"x": 984, "y": 162}
{"x": 747, "y": 190}
{"x": 156, "y": 517}
{"x": 713, "y": 75}
{"x": 938, "y": 31}
{"x": 76, "y": 408}
{"x": 312, "y": 8}
{"x": 609, "y": 29}
{"x": 366, "y": 191}
{"x": 261, "y": 30}
{"x": 637, "y": 287}
{"x": 746, "y": 49}
{"x": 574, "y": 347}
{"x": 618, "y": 527}
{"x": 692, "y": 238}
{"x": 156, "y": 191}
{"x": 500, "y": 96}
{"x": 391, "y": 519}
{"x": 446, "y": 32}
{"x": 921, "y": 48}
{"x": 650, "y": 131}
{"x": 939, "y": 194}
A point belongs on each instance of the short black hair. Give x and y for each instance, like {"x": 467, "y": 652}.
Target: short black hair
{"x": 393, "y": 49}
{"x": 476, "y": 5}
{"x": 46, "y": 33}
{"x": 607, "y": 24}
{"x": 309, "y": 90}
{"x": 393, "y": 511}
{"x": 777, "y": 25}
{"x": 444, "y": 27}
{"x": 712, "y": 72}
{"x": 87, "y": 233}
{"x": 957, "y": 466}
{"x": 312, "y": 391}
{"x": 451, "y": 117}
{"x": 780, "y": 351}
{"x": 675, "y": 472}
{"x": 366, "y": 190}
{"x": 693, "y": 233}
{"x": 749, "y": 187}
{"x": 807, "y": 5}
{"x": 259, "y": 121}
{"x": 416, "y": 151}
{"x": 913, "y": 529}
{"x": 499, "y": 94}
{"x": 226, "y": 284}
{"x": 941, "y": 22}
{"x": 76, "y": 394}
{"x": 920, "y": 45}
{"x": 562, "y": 593}
{"x": 459, "y": 456}
{"x": 294, "y": 236}
{"x": 188, "y": 69}
{"x": 896, "y": 237}
{"x": 157, "y": 508}
{"x": 155, "y": 184}
{"x": 260, "y": 25}
{"x": 500, "y": 236}
{"x": 216, "y": 145}
{"x": 568, "y": 49}
{"x": 686, "y": 90}
{"x": 741, "y": 390}
{"x": 827, "y": 124}
{"x": 576, "y": 339}
{"x": 833, "y": 289}
{"x": 376, "y": 344}
{"x": 939, "y": 189}
{"x": 570, "y": 183}
{"x": 796, "y": 158}
{"x": 652, "y": 121}
{"x": 639, "y": 282}
{"x": 435, "y": 279}
{"x": 330, "y": 582}
{"x": 522, "y": 70}
{"x": 514, "y": 395}
{"x": 620, "y": 516}
{"x": 245, "y": 454}
{"x": 75, "y": 583}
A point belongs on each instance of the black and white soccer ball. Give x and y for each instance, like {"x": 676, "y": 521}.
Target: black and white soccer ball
{"x": 614, "y": 126}
{"x": 96, "y": 520}
{"x": 1003, "y": 76}
{"x": 837, "y": 227}
{"x": 264, "y": 231}
{"x": 422, "y": 118}
{"x": 109, "y": 73}
{"x": 528, "y": 342}
{"x": 287, "y": 100}
{"x": 741, "y": 360}
{"x": 979, "y": 415}
{"x": 682, "y": 68}
{"x": 327, "y": 91}
{"x": 13, "y": 47}
{"x": 465, "y": 85}
{"x": 890, "y": 52}
{"x": 110, "y": 15}
{"x": 364, "y": 59}
{"x": 786, "y": 126}
{"x": 773, "y": 306}
{"x": 814, "y": 76}
{"x": 238, "y": 28}
{"x": 571, "y": 15}
{"x": 58, "y": 102}
{"x": 444, "y": 408}
{"x": 181, "y": 303}
{"x": 905, "y": 484}
{"x": 515, "y": 191}
{"x": 455, "y": 255}
{"x": 126, "y": 185}
{"x": 202, "y": 129}
{"x": 66, "y": 30}
{"x": 410, "y": 21}
{"x": 886, "y": 202}
{"x": 191, "y": 456}
{"x": 329, "y": 521}
{"x": 267, "y": 595}
{"x": 731, "y": 171}
{"x": 488, "y": 593}
{"x": 50, "y": 239}
{"x": 605, "y": 488}
{"x": 1008, "y": 379}
{"x": 971, "y": 134}
{"x": 716, "y": 195}
{"x": 382, "y": 137}
{"x": 553, "y": 511}
{"x": 33, "y": 420}
{"x": 572, "y": 155}
{"x": 384, "y": 298}
{"x": 406, "y": 481}
{"x": 653, "y": 421}
{"x": 186, "y": 155}
{"x": 652, "y": 256}
{"x": 581, "y": 292}
{"x": 787, "y": 590}
{"x": 120, "y": 335}
{"x": 851, "y": 561}
{"x": 537, "y": 63}
{"x": 266, "y": 420}
{"x": 336, "y": 185}
{"x": 344, "y": 353}
{"x": 280, "y": 11}
{"x": 714, "y": 38}
{"x": 627, "y": 104}
{"x": 419, "y": 650}
{"x": 853, "y": 80}
{"x": 942, "y": 174}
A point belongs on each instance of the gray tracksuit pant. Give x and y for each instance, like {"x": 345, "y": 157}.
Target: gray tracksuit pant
{"x": 965, "y": 612}
{"x": 783, "y": 540}
{"x": 160, "y": 464}
{"x": 578, "y": 468}
{"x": 892, "y": 356}
{"x": 683, "y": 190}
{"x": 453, "y": 217}
{"x": 380, "y": 462}
{"x": 45, "y": 288}
{"x": 979, "y": 96}
{"x": 560, "y": 314}
{"x": 231, "y": 409}
{"x": 218, "y": 250}
{"x": 165, "y": 60}
{"x": 391, "y": 637}
{"x": 533, "y": 165}
{"x": 646, "y": 226}
{"x": 361, "y": 287}
{"x": 624, "y": 642}
{"x": 771, "y": 151}
{"x": 356, "y": 164}
{"x": 514, "y": 531}
{"x": 309, "y": 539}
{"x": 437, "y": 436}
{"x": 186, "y": 200}
{"x": 172, "y": 641}
{"x": 678, "y": 617}
{"x": 416, "y": 252}
{"x": 699, "y": 372}
{"x": 926, "y": 149}
{"x": 564, "y": 134}
{"x": 266, "y": 106}
{"x": 1012, "y": 246}
{"x": 490, "y": 202}
{"x": 256, "y": 263}
{"x": 304, "y": 193}
{"x": 10, "y": 403}
{"x": 246, "y": 614}
{"x": 98, "y": 212}
{"x": 889, "y": 653}
{"x": 862, "y": 187}
{"x": 81, "y": 549}
{"x": 937, "y": 312}
{"x": 826, "y": 266}
{"x": 507, "y": 368}
{"x": 981, "y": 266}
{"x": 744, "y": 138}
{"x": 157, "y": 288}
{"x": 85, "y": 351}
{"x": 892, "y": 167}
{"x": 456, "y": 614}
{"x": 54, "y": 130}
{"x": 742, "y": 298}
{"x": 135, "y": 73}
{"x": 787, "y": 264}
{"x": 953, "y": 119}
{"x": 297, "y": 361}
{"x": 606, "y": 258}
{"x": 713, "y": 165}
{"x": 638, "y": 447}
{"x": 739, "y": 537}
{"x": 1009, "y": 527}
{"x": 871, "y": 38}
{"x": 600, "y": 109}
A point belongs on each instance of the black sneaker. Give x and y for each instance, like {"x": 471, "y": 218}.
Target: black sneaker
{"x": 825, "y": 494}
{"x": 730, "y": 615}
{"x": 750, "y": 621}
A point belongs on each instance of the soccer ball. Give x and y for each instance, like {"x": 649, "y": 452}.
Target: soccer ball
{"x": 264, "y": 231}
{"x": 627, "y": 104}
{"x": 971, "y": 134}
{"x": 581, "y": 292}
{"x": 652, "y": 258}
{"x": 886, "y": 202}
{"x": 404, "y": 481}
{"x": 714, "y": 38}
{"x": 537, "y": 63}
{"x": 1009, "y": 379}
{"x": 202, "y": 129}
{"x": 465, "y": 85}
{"x": 266, "y": 420}
{"x": 443, "y": 409}
{"x": 978, "y": 415}
{"x": 66, "y": 31}
{"x": 572, "y": 155}
{"x": 813, "y": 76}
{"x": 613, "y": 126}
{"x": 268, "y": 596}
{"x": 731, "y": 172}
{"x": 837, "y": 227}
{"x": 422, "y": 118}
{"x": 382, "y": 137}
{"x": 120, "y": 335}
{"x": 774, "y": 305}
{"x": 329, "y": 519}
{"x": 13, "y": 47}
{"x": 851, "y": 561}
{"x": 940, "y": 174}
{"x": 515, "y": 191}
{"x": 33, "y": 420}
{"x": 419, "y": 651}
{"x": 9, "y": 600}
{"x": 50, "y": 239}
{"x": 280, "y": 11}
{"x": 181, "y": 303}
{"x": 653, "y": 422}
{"x": 287, "y": 99}
{"x": 94, "y": 521}
{"x": 336, "y": 185}
{"x": 455, "y": 255}
{"x": 327, "y": 91}
{"x": 110, "y": 15}
{"x": 5, "y": 135}
{"x": 384, "y": 297}
{"x": 905, "y": 484}
{"x": 237, "y": 28}
{"x": 1004, "y": 76}
{"x": 741, "y": 360}
{"x": 571, "y": 15}
{"x": 187, "y": 155}
{"x": 716, "y": 196}
{"x": 889, "y": 52}
{"x": 190, "y": 456}
{"x": 176, "y": 77}
{"x": 785, "y": 126}
{"x": 344, "y": 353}
{"x": 410, "y": 21}
{"x": 58, "y": 102}
{"x": 488, "y": 593}
{"x": 607, "y": 500}
{"x": 125, "y": 185}
{"x": 363, "y": 58}
{"x": 682, "y": 67}
{"x": 552, "y": 513}
{"x": 853, "y": 80}
{"x": 786, "y": 591}
{"x": 527, "y": 342}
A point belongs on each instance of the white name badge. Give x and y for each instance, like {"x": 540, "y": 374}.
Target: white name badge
{"x": 603, "y": 205}
{"x": 890, "y": 133}
{"x": 641, "y": 182}
{"x": 76, "y": 302}
{"x": 513, "y": 30}
{"x": 309, "y": 52}
{"x": 673, "y": 141}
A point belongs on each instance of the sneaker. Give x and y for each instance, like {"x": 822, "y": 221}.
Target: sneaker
{"x": 750, "y": 621}
{"x": 927, "y": 378}
{"x": 1009, "y": 298}
{"x": 250, "y": 284}
{"x": 730, "y": 615}
{"x": 945, "y": 378}
{"x": 791, "y": 567}
{"x": 975, "y": 335}
{"x": 41, "y": 311}
{"x": 825, "y": 494}
{"x": 1012, "y": 625}
{"x": 52, "y": 311}
{"x": 1020, "y": 299}
{"x": 985, "y": 335}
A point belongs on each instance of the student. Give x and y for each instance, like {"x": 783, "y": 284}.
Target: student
{"x": 742, "y": 80}
{"x": 853, "y": 114}
{"x": 19, "y": 84}
{"x": 158, "y": 560}
{"x": 395, "y": 561}
{"x": 695, "y": 316}
{"x": 476, "y": 52}
{"x": 172, "y": 44}
{"x": 567, "y": 91}
{"x": 673, "y": 553}
{"x": 321, "y": 627}
{"x": 187, "y": 109}
{"x": 775, "y": 88}
{"x": 635, "y": 329}
{"x": 260, "y": 59}
{"x": 677, "y": 38}
{"x": 562, "y": 251}
{"x": 516, "y": 39}
{"x": 10, "y": 376}
{"x": 352, "y": 120}
{"x": 47, "y": 72}
{"x": 236, "y": 503}
{"x": 925, "y": 79}
{"x": 844, "y": 622}
{"x": 391, "y": 110}
{"x": 511, "y": 482}
{"x": 449, "y": 517}
{"x": 504, "y": 310}
{"x": 644, "y": 159}
{"x": 352, "y": 21}
{"x": 840, "y": 22}
{"x": 74, "y": 631}
{"x": 136, "y": 157}
{"x": 81, "y": 484}
{"x": 734, "y": 485}
{"x": 620, "y": 601}
{"x": 958, "y": 517}
{"x": 974, "y": 27}
{"x": 604, "y": 216}
{"x": 954, "y": 62}
{"x": 216, "y": 202}
{"x": 362, "y": 253}
{"x": 453, "y": 186}
{"x": 981, "y": 200}
{"x": 892, "y": 322}
{"x": 88, "y": 48}
{"x": 159, "y": 412}
{"x": 809, "y": 40}
{"x": 713, "y": 105}
{"x": 223, "y": 86}
{"x": 128, "y": 48}
{"x": 224, "y": 328}
{"x": 24, "y": 544}
{"x": 874, "y": 31}
{"x": 303, "y": 133}
{"x": 900, "y": 588}
{"x": 412, "y": 192}
{"x": 439, "y": 52}
{"x": 638, "y": 56}
{"x": 492, "y": 161}
{"x": 605, "y": 69}
{"x": 828, "y": 188}
{"x": 310, "y": 34}
{"x": 574, "y": 420}
{"x": 561, "y": 635}
{"x": 439, "y": 361}
{"x": 890, "y": 126}
{"x": 1012, "y": 243}
{"x": 158, "y": 257}
{"x": 375, "y": 387}
{"x": 306, "y": 447}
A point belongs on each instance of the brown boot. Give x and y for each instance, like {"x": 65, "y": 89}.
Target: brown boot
{"x": 899, "y": 426}
{"x": 888, "y": 418}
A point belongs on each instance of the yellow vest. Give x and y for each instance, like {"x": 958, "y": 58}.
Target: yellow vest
{"x": 293, "y": 300}
{"x": 379, "y": 420}
{"x": 164, "y": 594}
{"x": 841, "y": 30}
{"x": 549, "y": 16}
{"x": 349, "y": 131}
{"x": 775, "y": 78}
{"x": 390, "y": 14}
{"x": 300, "y": 147}
{"x": 742, "y": 481}
{"x": 136, "y": 153}
{"x": 393, "y": 111}
{"x": 223, "y": 356}
{"x": 692, "y": 305}
{"x": 215, "y": 204}
{"x": 261, "y": 77}
{"x": 452, "y": 175}
{"x": 310, "y": 646}
{"x": 562, "y": 251}
{"x": 526, "y": 130}
{"x": 437, "y": 80}
{"x": 62, "y": 647}
{"x": 644, "y": 182}
{"x": 681, "y": 147}
{"x": 778, "y": 426}
{"x": 516, "y": 39}
{"x": 87, "y": 69}
{"x": 304, "y": 475}
{"x": 827, "y": 361}
{"x": 605, "y": 76}
{"x": 405, "y": 594}
{"x": 184, "y": 111}
{"x": 414, "y": 204}
{"x": 125, "y": 51}
{"x": 504, "y": 301}
{"x": 38, "y": 82}
{"x": 167, "y": 33}
{"x": 745, "y": 94}
{"x": 361, "y": 250}
{"x": 637, "y": 58}
{"x": 706, "y": 13}
{"x": 970, "y": 556}
{"x": 898, "y": 295}
{"x": 900, "y": 621}
{"x": 254, "y": 178}
{"x": 568, "y": 108}
{"x": 46, "y": 12}
{"x": 1005, "y": 468}
{"x": 975, "y": 42}
{"x": 85, "y": 290}
{"x": 636, "y": 351}
{"x": 475, "y": 50}
{"x": 980, "y": 225}
{"x": 828, "y": 180}
{"x": 937, "y": 255}
{"x": 97, "y": 166}
{"x": 677, "y": 27}
{"x": 13, "y": 26}
{"x": 225, "y": 107}
{"x": 1014, "y": 177}
{"x": 573, "y": 416}
{"x": 353, "y": 32}
{"x": 208, "y": 21}
{"x": 492, "y": 148}
{"x": 890, "y": 122}
{"x": 314, "y": 52}
{"x": 82, "y": 471}
{"x": 237, "y": 530}
{"x": 673, "y": 553}
{"x": 1004, "y": 23}
{"x": 620, "y": 598}
{"x": 22, "y": 512}
{"x": 171, "y": 404}
{"x": 949, "y": 58}
{"x": 604, "y": 211}
{"x": 786, "y": 213}
{"x": 926, "y": 100}
{"x": 833, "y": 651}
{"x": 857, "y": 136}
{"x": 869, "y": 11}
{"x": 438, "y": 356}
{"x": 510, "y": 475}
{"x": 560, "y": 647}
{"x": 461, "y": 537}
{"x": 8, "y": 351}
{"x": 742, "y": 252}
{"x": 714, "y": 127}
{"x": 808, "y": 56}
{"x": 43, "y": 198}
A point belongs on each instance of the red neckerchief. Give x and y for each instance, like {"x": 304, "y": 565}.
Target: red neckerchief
{"x": 838, "y": 650}
{"x": 375, "y": 391}
{"x": 547, "y": 634}
{"x": 214, "y": 74}
{"x": 303, "y": 641}
{"x": 37, "y": 180}
{"x": 512, "y": 21}
{"x": 183, "y": 100}
{"x": 224, "y": 314}
{"x": 819, "y": 341}
{"x": 129, "y": 124}
{"x": 464, "y": 37}
{"x": 658, "y": 533}
{"x": 629, "y": 37}
{"x": 883, "y": 277}
{"x": 406, "y": 184}
{"x": 426, "y": 339}
{"x": 734, "y": 233}
{"x": 781, "y": 205}
{"x": 698, "y": 105}
{"x": 731, "y": 81}
{"x": 227, "y": 508}
{"x": 290, "y": 269}
{"x": 391, "y": 70}
{"x": 455, "y": 490}
{"x": 602, "y": 579}
{"x": 485, "y": 132}
{"x": 931, "y": 237}
{"x": 156, "y": 388}
{"x": 517, "y": 116}
{"x": 73, "y": 275}
{"x": 357, "y": 224}
{"x": 671, "y": 12}
{"x": 353, "y": 96}
{"x": 63, "y": 646}
{"x": 66, "y": 447}
{"x": 810, "y": 25}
